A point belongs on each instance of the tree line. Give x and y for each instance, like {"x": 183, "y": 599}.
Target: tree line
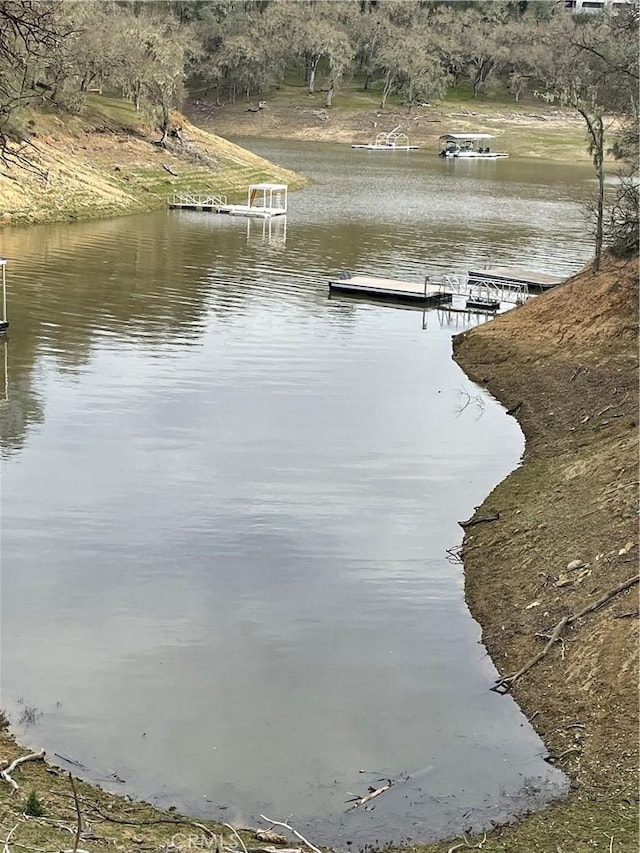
{"x": 54, "y": 52}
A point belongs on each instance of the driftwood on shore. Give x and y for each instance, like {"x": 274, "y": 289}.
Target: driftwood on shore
{"x": 6, "y": 776}
{"x": 495, "y": 516}
{"x": 503, "y": 685}
{"x": 371, "y": 795}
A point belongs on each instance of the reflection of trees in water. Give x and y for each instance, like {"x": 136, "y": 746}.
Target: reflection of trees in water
{"x": 150, "y": 282}
{"x": 131, "y": 281}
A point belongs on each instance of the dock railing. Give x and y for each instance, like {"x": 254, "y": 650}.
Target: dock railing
{"x": 459, "y": 285}
{"x": 197, "y": 200}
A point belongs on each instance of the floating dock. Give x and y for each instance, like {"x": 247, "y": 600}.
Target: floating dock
{"x": 389, "y": 289}
{"x": 392, "y": 141}
{"x": 510, "y": 277}
{"x": 263, "y": 201}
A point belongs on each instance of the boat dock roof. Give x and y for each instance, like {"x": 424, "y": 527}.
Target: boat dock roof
{"x": 456, "y": 137}
{"x": 267, "y": 186}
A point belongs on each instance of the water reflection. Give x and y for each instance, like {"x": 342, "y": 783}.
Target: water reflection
{"x": 234, "y": 497}
{"x": 271, "y": 231}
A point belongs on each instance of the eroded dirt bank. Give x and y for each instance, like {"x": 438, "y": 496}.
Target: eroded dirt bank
{"x": 567, "y": 531}
{"x": 99, "y": 165}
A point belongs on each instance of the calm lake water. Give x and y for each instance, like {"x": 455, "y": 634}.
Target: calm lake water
{"x": 227, "y": 499}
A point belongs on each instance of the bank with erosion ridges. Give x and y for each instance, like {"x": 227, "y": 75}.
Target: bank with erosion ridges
{"x": 107, "y": 163}
{"x": 567, "y": 533}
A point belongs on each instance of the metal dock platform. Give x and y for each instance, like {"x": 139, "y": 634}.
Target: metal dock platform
{"x": 389, "y": 289}
{"x": 510, "y": 277}
{"x": 263, "y": 201}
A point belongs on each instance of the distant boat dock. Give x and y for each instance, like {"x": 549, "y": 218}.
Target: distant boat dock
{"x": 263, "y": 201}
{"x": 392, "y": 141}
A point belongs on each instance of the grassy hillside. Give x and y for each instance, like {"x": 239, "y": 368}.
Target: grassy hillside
{"x": 106, "y": 162}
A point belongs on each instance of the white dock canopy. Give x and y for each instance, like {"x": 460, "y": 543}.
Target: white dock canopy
{"x": 268, "y": 197}
{"x": 465, "y": 137}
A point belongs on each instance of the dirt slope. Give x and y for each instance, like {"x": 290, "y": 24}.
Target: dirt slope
{"x": 569, "y": 361}
{"x": 94, "y": 166}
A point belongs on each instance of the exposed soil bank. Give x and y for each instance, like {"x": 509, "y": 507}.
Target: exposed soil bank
{"x": 569, "y": 361}
{"x": 106, "y": 164}
{"x": 523, "y": 130}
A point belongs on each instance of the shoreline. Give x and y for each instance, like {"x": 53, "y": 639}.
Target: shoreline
{"x": 523, "y": 130}
{"x": 566, "y": 536}
{"x": 562, "y": 362}
{"x": 503, "y": 561}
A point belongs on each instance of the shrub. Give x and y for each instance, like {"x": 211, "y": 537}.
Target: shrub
{"x": 33, "y": 806}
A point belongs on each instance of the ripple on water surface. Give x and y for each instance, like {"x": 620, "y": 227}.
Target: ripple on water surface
{"x": 235, "y": 498}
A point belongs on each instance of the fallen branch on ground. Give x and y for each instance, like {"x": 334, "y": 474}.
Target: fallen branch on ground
{"x": 78, "y": 813}
{"x": 465, "y": 843}
{"x": 604, "y": 599}
{"x": 152, "y": 821}
{"x": 298, "y": 835}
{"x": 473, "y": 521}
{"x": 551, "y": 759}
{"x": 6, "y": 848}
{"x": 373, "y": 793}
{"x": 454, "y": 555}
{"x": 5, "y": 775}
{"x": 559, "y": 640}
{"x": 613, "y": 405}
{"x": 503, "y": 685}
{"x": 235, "y": 832}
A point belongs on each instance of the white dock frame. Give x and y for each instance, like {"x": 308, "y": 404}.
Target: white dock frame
{"x": 503, "y": 291}
{"x": 264, "y": 200}
{"x": 197, "y": 201}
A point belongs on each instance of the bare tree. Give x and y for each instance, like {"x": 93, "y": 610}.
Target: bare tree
{"x": 30, "y": 33}
{"x": 592, "y": 67}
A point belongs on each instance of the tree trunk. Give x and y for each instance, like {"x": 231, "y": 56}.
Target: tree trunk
{"x": 329, "y": 96}
{"x": 388, "y": 86}
{"x": 598, "y": 161}
{"x": 312, "y": 75}
{"x": 595, "y": 129}
{"x": 166, "y": 121}
{"x": 483, "y": 71}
